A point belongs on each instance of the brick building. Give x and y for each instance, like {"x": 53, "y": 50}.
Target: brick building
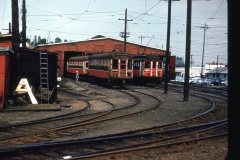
{"x": 95, "y": 45}
{"x": 6, "y": 41}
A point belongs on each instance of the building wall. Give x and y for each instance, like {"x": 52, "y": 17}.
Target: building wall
{"x": 194, "y": 71}
{"x": 217, "y": 75}
{"x": 29, "y": 67}
{"x": 209, "y": 67}
{"x": 96, "y": 46}
{"x": 5, "y": 75}
{"x": 6, "y": 42}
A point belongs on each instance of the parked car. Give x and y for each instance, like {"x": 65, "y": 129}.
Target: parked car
{"x": 195, "y": 80}
{"x": 224, "y": 83}
{"x": 178, "y": 79}
{"x": 216, "y": 81}
{"x": 207, "y": 81}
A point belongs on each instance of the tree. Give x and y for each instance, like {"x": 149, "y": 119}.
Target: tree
{"x": 39, "y": 40}
{"x": 98, "y": 36}
{"x": 179, "y": 62}
{"x": 34, "y": 43}
{"x": 43, "y": 41}
{"x": 58, "y": 40}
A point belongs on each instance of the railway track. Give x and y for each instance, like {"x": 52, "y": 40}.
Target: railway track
{"x": 70, "y": 126}
{"x": 50, "y": 143}
{"x": 118, "y": 143}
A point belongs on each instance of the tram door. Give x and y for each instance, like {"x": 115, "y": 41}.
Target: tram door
{"x": 123, "y": 70}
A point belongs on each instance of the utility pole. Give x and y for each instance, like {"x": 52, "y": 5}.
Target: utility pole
{"x": 15, "y": 28}
{"x": 125, "y": 30}
{"x": 166, "y": 70}
{"x": 167, "y": 47}
{"x": 141, "y": 37}
{"x": 191, "y": 62}
{"x": 217, "y": 67}
{"x": 9, "y": 28}
{"x": 205, "y": 27}
{"x": 188, "y": 50}
{"x": 15, "y": 43}
{"x": 24, "y": 24}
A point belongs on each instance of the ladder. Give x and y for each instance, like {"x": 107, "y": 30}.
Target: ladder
{"x": 44, "y": 85}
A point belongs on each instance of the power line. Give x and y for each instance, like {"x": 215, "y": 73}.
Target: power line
{"x": 150, "y": 41}
{"x": 215, "y": 11}
{"x": 145, "y": 13}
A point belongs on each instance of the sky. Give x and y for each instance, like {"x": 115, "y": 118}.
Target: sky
{"x": 78, "y": 20}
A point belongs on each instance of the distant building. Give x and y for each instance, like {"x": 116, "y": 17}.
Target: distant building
{"x": 208, "y": 70}
{"x": 194, "y": 71}
{"x": 219, "y": 72}
{"x": 211, "y": 66}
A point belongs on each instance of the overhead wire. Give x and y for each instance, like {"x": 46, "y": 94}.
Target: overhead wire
{"x": 139, "y": 17}
{"x": 213, "y": 16}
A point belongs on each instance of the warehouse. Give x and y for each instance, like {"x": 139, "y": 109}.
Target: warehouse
{"x": 95, "y": 45}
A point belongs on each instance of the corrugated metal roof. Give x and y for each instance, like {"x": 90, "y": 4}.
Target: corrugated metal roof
{"x": 219, "y": 70}
{"x": 95, "y": 39}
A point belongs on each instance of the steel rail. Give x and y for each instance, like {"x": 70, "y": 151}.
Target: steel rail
{"x": 196, "y": 129}
{"x": 48, "y": 132}
{"x": 48, "y": 119}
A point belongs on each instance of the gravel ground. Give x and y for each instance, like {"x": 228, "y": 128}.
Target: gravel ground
{"x": 172, "y": 108}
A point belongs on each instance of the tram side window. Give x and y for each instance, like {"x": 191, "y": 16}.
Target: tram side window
{"x": 147, "y": 65}
{"x": 123, "y": 64}
{"x": 136, "y": 64}
{"x": 154, "y": 64}
{"x": 115, "y": 64}
{"x": 129, "y": 64}
{"x": 86, "y": 64}
{"x": 159, "y": 64}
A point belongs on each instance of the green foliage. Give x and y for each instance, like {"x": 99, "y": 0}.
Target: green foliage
{"x": 38, "y": 40}
{"x": 179, "y": 62}
{"x": 58, "y": 40}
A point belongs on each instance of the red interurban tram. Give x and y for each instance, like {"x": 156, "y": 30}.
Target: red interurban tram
{"x": 78, "y": 64}
{"x": 117, "y": 68}
{"x": 113, "y": 68}
{"x": 147, "y": 68}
